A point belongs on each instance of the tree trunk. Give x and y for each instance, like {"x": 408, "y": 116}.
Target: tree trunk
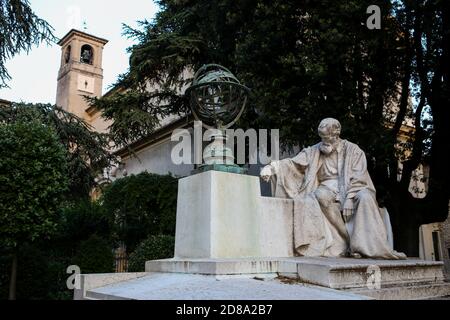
{"x": 410, "y": 213}
{"x": 13, "y": 280}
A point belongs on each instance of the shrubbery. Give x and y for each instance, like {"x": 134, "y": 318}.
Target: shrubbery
{"x": 40, "y": 275}
{"x": 33, "y": 279}
{"x": 42, "y": 268}
{"x": 5, "y": 270}
{"x": 78, "y": 221}
{"x": 95, "y": 256}
{"x": 154, "y": 248}
{"x": 87, "y": 232}
{"x": 141, "y": 205}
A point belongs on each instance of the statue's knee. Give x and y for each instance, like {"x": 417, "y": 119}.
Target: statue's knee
{"x": 319, "y": 194}
{"x": 324, "y": 196}
{"x": 364, "y": 195}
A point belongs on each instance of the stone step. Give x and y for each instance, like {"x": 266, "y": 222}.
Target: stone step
{"x": 416, "y": 292}
{"x": 364, "y": 273}
{"x": 332, "y": 273}
{"x": 214, "y": 266}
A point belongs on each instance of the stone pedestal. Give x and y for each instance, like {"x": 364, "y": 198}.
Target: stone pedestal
{"x": 222, "y": 215}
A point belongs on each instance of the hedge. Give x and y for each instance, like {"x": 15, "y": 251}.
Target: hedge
{"x": 154, "y": 248}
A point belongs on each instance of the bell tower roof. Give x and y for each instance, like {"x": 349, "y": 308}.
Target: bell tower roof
{"x": 75, "y": 32}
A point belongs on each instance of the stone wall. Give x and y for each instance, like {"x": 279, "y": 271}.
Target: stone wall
{"x": 156, "y": 159}
{"x": 445, "y": 240}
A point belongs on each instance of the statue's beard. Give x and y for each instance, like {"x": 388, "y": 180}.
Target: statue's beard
{"x": 326, "y": 149}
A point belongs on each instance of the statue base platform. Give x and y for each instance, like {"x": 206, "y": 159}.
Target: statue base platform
{"x": 298, "y": 278}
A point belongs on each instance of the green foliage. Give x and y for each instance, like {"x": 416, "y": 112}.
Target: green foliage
{"x": 95, "y": 256}
{"x": 5, "y": 271}
{"x": 32, "y": 275}
{"x": 87, "y": 151}
{"x": 40, "y": 275}
{"x": 141, "y": 205}
{"x": 303, "y": 60}
{"x": 48, "y": 260}
{"x": 135, "y": 113}
{"x": 153, "y": 248}
{"x": 79, "y": 221}
{"x": 57, "y": 261}
{"x": 33, "y": 178}
{"x": 20, "y": 30}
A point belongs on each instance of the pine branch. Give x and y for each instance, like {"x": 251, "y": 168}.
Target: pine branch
{"x": 20, "y": 31}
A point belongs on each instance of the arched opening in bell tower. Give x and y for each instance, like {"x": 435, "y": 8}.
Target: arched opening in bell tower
{"x": 68, "y": 54}
{"x": 87, "y": 54}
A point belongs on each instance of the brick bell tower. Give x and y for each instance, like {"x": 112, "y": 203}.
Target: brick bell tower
{"x": 80, "y": 74}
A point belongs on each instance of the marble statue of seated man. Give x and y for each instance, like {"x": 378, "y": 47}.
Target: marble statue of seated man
{"x": 335, "y": 209}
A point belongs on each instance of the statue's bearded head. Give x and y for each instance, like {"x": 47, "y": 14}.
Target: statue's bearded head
{"x": 329, "y": 131}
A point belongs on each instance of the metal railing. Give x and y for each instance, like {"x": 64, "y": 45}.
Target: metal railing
{"x": 121, "y": 260}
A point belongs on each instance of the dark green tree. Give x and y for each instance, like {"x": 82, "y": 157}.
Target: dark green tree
{"x": 425, "y": 28}
{"x": 20, "y": 30}
{"x": 306, "y": 60}
{"x": 87, "y": 151}
{"x": 33, "y": 180}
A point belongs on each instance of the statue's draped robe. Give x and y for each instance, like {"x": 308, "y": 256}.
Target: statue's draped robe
{"x": 319, "y": 229}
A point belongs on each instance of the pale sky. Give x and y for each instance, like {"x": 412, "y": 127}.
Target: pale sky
{"x": 34, "y": 75}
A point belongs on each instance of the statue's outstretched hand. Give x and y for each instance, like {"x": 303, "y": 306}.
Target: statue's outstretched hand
{"x": 348, "y": 210}
{"x": 266, "y": 173}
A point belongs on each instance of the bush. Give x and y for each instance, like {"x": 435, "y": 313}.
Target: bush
{"x": 95, "y": 256}
{"x": 41, "y": 273}
{"x": 154, "y": 248}
{"x": 34, "y": 281}
{"x": 5, "y": 270}
{"x": 79, "y": 221}
{"x": 33, "y": 278}
{"x": 57, "y": 266}
{"x": 141, "y": 205}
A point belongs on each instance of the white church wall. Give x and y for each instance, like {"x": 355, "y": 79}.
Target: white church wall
{"x": 155, "y": 159}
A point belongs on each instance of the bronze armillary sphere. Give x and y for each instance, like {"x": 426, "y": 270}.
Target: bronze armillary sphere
{"x": 217, "y": 98}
